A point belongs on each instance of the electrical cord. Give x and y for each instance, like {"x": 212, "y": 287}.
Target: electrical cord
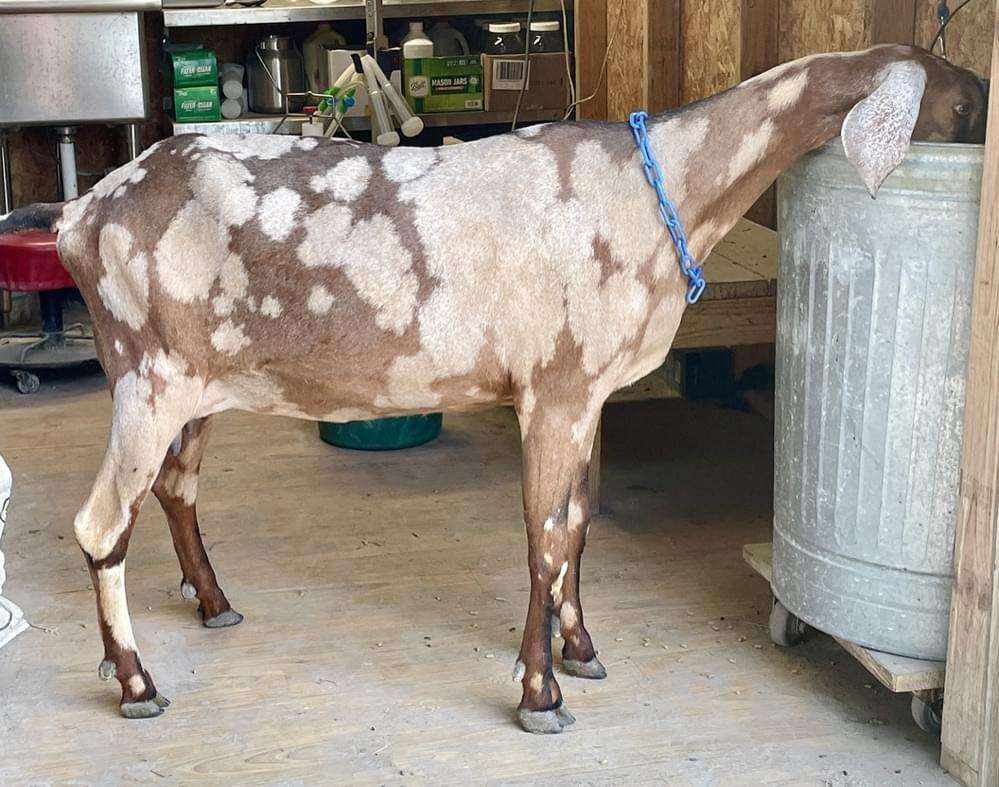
{"x": 527, "y": 67}
{"x": 603, "y": 66}
{"x": 944, "y": 21}
{"x": 565, "y": 47}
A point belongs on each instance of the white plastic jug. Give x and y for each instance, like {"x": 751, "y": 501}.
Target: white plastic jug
{"x": 314, "y": 50}
{"x": 448, "y": 42}
{"x": 416, "y": 44}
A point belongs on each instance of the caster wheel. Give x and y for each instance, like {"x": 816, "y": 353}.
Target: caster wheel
{"x": 928, "y": 715}
{"x": 786, "y": 630}
{"x": 27, "y": 383}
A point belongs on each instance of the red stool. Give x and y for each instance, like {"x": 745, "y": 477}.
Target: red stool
{"x": 29, "y": 263}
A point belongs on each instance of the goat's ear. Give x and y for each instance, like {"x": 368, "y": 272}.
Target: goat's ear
{"x": 877, "y": 131}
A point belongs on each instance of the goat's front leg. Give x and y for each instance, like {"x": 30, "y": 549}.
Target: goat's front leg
{"x": 578, "y": 655}
{"x": 176, "y": 488}
{"x": 142, "y": 428}
{"x": 552, "y": 465}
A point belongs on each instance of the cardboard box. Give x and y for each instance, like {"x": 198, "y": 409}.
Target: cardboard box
{"x": 547, "y": 87}
{"x": 194, "y": 68}
{"x": 196, "y": 104}
{"x": 443, "y": 84}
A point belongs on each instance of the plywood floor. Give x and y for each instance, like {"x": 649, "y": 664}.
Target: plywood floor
{"x": 384, "y": 597}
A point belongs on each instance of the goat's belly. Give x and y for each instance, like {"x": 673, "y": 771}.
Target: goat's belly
{"x": 332, "y": 400}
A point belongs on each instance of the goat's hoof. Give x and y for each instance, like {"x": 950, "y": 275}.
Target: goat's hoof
{"x": 228, "y": 618}
{"x": 106, "y": 670}
{"x": 540, "y": 722}
{"x": 591, "y": 669}
{"x": 564, "y": 717}
{"x": 145, "y": 709}
{"x": 188, "y": 591}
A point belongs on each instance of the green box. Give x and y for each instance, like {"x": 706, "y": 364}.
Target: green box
{"x": 444, "y": 84}
{"x": 194, "y": 68}
{"x": 196, "y": 104}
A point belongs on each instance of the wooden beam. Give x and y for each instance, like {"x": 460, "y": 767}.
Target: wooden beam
{"x": 893, "y": 22}
{"x": 711, "y": 47}
{"x": 591, "y": 44}
{"x": 643, "y": 70}
{"x": 760, "y": 52}
{"x": 665, "y": 67}
{"x": 728, "y": 323}
{"x": 971, "y": 698}
{"x": 760, "y": 31}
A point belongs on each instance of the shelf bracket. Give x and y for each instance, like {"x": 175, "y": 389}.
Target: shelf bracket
{"x": 374, "y": 22}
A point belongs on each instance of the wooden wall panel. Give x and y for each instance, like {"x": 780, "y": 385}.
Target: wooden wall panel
{"x": 643, "y": 70}
{"x": 969, "y": 36}
{"x": 808, "y": 27}
{"x": 626, "y": 71}
{"x": 665, "y": 35}
{"x": 893, "y": 21}
{"x": 711, "y": 50}
{"x": 591, "y": 43}
{"x": 759, "y": 50}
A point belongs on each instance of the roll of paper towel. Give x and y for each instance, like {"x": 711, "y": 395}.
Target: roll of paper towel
{"x": 232, "y": 108}
{"x": 232, "y": 80}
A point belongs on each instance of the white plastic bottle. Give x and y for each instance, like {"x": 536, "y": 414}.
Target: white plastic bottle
{"x": 417, "y": 44}
{"x": 448, "y": 42}
{"x": 314, "y": 50}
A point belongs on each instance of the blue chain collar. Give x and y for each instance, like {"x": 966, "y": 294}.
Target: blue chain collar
{"x": 654, "y": 175}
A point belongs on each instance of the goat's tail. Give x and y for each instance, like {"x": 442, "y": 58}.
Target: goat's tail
{"x": 40, "y": 216}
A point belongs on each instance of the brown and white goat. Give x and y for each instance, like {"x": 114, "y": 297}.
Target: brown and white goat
{"x": 339, "y": 281}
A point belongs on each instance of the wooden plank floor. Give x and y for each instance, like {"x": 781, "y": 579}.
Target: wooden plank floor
{"x": 384, "y": 597}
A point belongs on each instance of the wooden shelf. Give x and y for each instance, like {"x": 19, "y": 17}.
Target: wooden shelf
{"x": 279, "y": 11}
{"x": 896, "y": 673}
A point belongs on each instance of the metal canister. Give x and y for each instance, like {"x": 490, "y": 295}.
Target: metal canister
{"x": 874, "y": 311}
{"x": 273, "y": 69}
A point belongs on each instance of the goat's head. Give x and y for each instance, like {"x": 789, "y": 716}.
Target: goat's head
{"x": 918, "y": 96}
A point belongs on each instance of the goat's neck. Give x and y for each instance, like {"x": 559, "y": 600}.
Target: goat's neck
{"x": 721, "y": 154}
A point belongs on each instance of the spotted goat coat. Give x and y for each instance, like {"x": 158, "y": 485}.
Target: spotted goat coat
{"x": 331, "y": 280}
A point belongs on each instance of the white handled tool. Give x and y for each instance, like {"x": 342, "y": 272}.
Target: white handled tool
{"x": 411, "y": 125}
{"x": 381, "y": 123}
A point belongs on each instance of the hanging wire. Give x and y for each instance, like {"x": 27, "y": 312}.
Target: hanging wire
{"x": 603, "y": 65}
{"x": 945, "y": 16}
{"x": 527, "y": 67}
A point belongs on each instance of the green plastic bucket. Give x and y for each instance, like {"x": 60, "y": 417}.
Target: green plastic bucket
{"x": 383, "y": 434}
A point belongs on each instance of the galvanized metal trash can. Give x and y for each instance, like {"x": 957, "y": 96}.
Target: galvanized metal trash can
{"x": 874, "y": 310}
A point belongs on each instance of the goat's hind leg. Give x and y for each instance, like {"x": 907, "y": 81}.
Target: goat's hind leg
{"x": 578, "y": 655}
{"x": 176, "y": 488}
{"x": 143, "y": 426}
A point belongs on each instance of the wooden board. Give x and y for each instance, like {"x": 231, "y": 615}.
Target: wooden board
{"x": 971, "y": 715}
{"x": 894, "y": 21}
{"x": 728, "y": 323}
{"x": 627, "y": 82}
{"x": 760, "y": 28}
{"x": 811, "y": 26}
{"x": 711, "y": 47}
{"x": 643, "y": 69}
{"x": 759, "y": 53}
{"x": 591, "y": 44}
{"x": 896, "y": 673}
{"x": 969, "y": 36}
{"x": 739, "y": 307}
{"x": 664, "y": 66}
